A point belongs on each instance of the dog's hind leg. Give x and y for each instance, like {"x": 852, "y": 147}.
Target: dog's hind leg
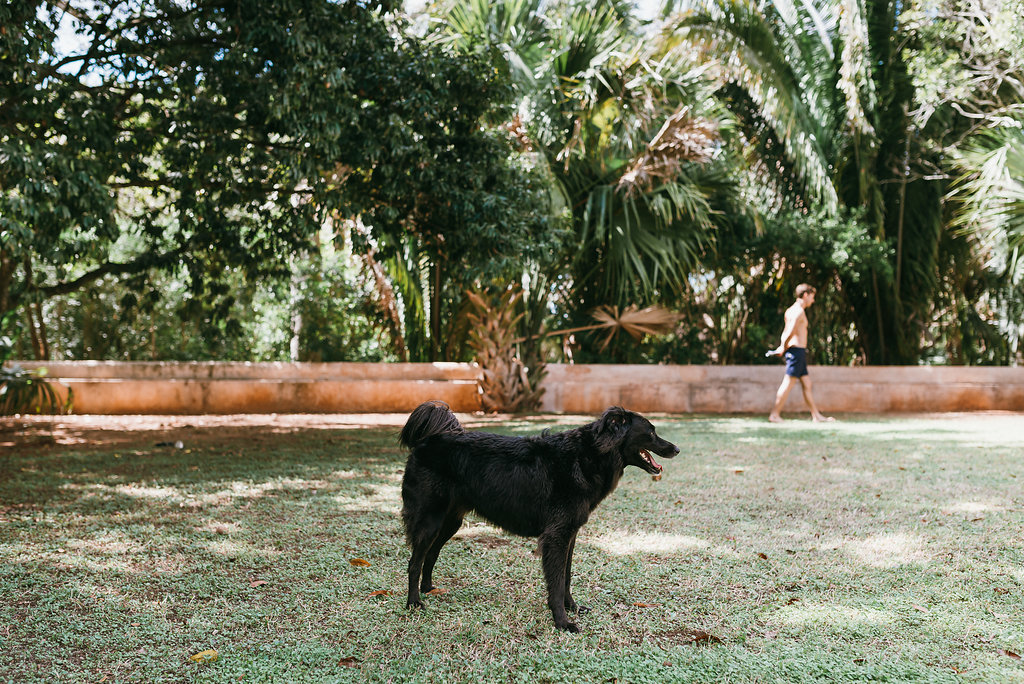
{"x": 451, "y": 525}
{"x": 422, "y": 535}
{"x": 554, "y": 557}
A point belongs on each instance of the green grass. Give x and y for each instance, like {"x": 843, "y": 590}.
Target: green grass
{"x": 866, "y": 550}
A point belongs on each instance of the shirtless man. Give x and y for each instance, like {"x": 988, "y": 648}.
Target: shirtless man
{"x": 794, "y": 347}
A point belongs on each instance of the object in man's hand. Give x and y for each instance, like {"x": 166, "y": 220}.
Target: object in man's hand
{"x": 772, "y": 352}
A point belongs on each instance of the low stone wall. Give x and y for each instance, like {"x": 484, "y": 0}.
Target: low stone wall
{"x": 195, "y": 388}
{"x": 751, "y": 389}
{"x": 110, "y": 387}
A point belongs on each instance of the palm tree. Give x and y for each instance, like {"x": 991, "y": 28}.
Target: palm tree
{"x": 823, "y": 95}
{"x": 628, "y": 134}
{"x": 989, "y": 195}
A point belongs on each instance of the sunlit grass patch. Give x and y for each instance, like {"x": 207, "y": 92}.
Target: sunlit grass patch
{"x": 808, "y": 553}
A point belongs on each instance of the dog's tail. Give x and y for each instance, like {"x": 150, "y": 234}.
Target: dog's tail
{"x": 427, "y": 420}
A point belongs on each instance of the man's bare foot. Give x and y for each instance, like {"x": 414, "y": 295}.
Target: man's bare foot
{"x": 774, "y": 419}
{"x": 823, "y": 419}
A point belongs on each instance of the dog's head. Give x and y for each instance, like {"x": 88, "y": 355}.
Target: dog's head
{"x": 632, "y": 436}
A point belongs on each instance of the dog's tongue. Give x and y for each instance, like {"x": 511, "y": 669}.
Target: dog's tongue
{"x": 650, "y": 459}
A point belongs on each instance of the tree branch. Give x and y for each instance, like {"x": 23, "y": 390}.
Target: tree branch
{"x": 106, "y": 269}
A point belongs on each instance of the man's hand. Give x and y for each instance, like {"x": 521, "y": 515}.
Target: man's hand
{"x": 774, "y": 352}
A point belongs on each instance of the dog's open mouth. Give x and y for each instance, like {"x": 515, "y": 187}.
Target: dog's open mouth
{"x": 653, "y": 466}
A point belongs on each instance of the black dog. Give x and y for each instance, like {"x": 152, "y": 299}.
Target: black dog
{"x": 544, "y": 486}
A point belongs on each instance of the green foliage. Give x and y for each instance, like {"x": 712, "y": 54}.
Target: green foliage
{"x": 165, "y": 171}
{"x": 593, "y": 95}
{"x": 255, "y": 321}
{"x": 28, "y": 391}
{"x": 218, "y": 139}
{"x": 823, "y": 95}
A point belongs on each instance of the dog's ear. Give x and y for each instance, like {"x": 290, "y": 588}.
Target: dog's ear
{"x": 612, "y": 428}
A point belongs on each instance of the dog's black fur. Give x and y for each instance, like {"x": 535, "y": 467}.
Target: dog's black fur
{"x": 544, "y": 486}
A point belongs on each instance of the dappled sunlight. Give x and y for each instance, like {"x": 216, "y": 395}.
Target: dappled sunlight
{"x": 252, "y": 490}
{"x": 110, "y": 543}
{"x": 887, "y": 550}
{"x": 480, "y": 529}
{"x": 110, "y": 551}
{"x": 979, "y": 430}
{"x": 169, "y": 494}
{"x": 217, "y": 527}
{"x": 385, "y": 498}
{"x": 973, "y": 507}
{"x": 237, "y": 548}
{"x": 142, "y": 492}
{"x": 832, "y": 616}
{"x": 623, "y": 543}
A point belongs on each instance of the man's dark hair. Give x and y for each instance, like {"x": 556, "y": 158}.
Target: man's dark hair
{"x": 804, "y": 288}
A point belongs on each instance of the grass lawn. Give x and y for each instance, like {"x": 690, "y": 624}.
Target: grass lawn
{"x": 866, "y": 550}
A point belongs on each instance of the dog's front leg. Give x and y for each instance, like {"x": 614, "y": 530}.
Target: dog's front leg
{"x": 570, "y": 604}
{"x": 554, "y": 557}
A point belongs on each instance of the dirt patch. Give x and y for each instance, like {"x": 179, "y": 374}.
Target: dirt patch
{"x": 106, "y": 432}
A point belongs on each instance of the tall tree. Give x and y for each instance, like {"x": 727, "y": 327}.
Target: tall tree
{"x": 628, "y": 135}
{"x": 211, "y": 138}
{"x": 824, "y": 96}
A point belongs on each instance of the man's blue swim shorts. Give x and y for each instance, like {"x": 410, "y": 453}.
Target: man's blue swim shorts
{"x": 796, "y": 362}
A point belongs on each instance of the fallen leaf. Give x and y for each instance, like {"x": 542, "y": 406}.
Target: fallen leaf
{"x": 437, "y": 591}
{"x": 738, "y": 471}
{"x": 762, "y": 556}
{"x": 135, "y": 624}
{"x": 381, "y": 592}
{"x": 359, "y": 562}
{"x": 349, "y": 662}
{"x": 1001, "y": 591}
{"x": 792, "y": 600}
{"x": 692, "y": 636}
{"x": 656, "y": 477}
{"x": 645, "y": 605}
{"x": 207, "y": 656}
{"x": 256, "y": 583}
{"x": 1009, "y": 654}
{"x": 921, "y": 608}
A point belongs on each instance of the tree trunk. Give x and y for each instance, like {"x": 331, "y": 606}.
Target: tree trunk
{"x": 435, "y": 313}
{"x": 294, "y": 346}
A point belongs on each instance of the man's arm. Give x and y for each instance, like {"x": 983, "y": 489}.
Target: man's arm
{"x": 791, "y": 318}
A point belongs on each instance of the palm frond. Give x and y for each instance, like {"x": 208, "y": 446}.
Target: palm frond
{"x": 682, "y": 138}
{"x": 28, "y": 391}
{"x": 754, "y": 55}
{"x": 636, "y": 322}
{"x": 991, "y": 189}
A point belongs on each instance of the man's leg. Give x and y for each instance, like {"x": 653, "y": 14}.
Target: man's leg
{"x": 805, "y": 383}
{"x": 780, "y": 398}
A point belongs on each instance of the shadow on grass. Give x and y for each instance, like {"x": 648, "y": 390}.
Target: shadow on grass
{"x": 123, "y": 559}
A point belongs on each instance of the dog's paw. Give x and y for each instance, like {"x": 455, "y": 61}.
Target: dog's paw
{"x": 412, "y": 604}
{"x": 573, "y": 607}
{"x": 568, "y": 627}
